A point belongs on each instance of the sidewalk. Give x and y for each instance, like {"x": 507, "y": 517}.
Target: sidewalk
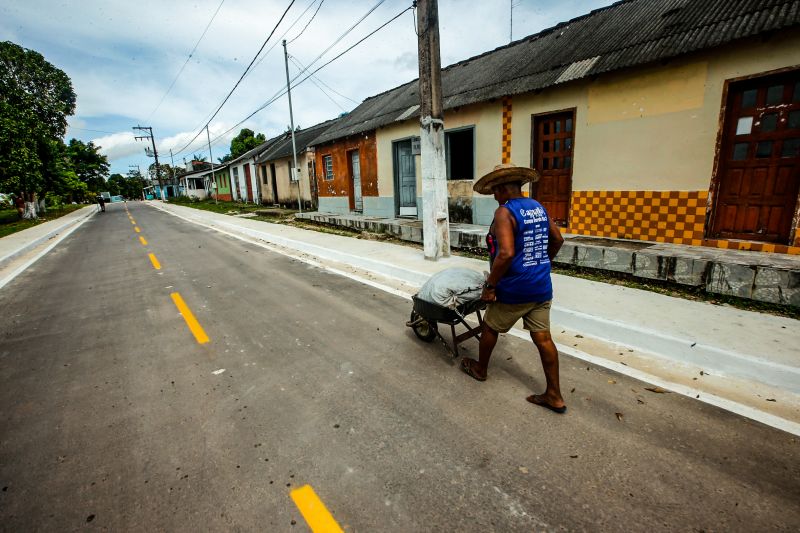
{"x": 765, "y": 277}
{"x": 739, "y": 360}
{"x": 19, "y": 243}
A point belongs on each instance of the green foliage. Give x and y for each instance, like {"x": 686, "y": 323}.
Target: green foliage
{"x": 246, "y": 140}
{"x": 35, "y": 100}
{"x": 88, "y": 163}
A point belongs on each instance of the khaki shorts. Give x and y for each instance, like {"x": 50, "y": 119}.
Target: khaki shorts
{"x": 502, "y": 317}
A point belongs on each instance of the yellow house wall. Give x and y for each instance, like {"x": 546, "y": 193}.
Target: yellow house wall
{"x": 650, "y": 129}
{"x": 287, "y": 192}
{"x": 485, "y": 117}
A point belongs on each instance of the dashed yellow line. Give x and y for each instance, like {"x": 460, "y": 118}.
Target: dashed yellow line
{"x": 155, "y": 262}
{"x": 317, "y": 516}
{"x": 191, "y": 321}
{"x": 133, "y": 222}
{"x": 142, "y": 240}
{"x": 136, "y": 229}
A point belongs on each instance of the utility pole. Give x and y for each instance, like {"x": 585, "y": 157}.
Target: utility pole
{"x": 295, "y": 170}
{"x": 138, "y": 173}
{"x": 172, "y": 168}
{"x": 435, "y": 218}
{"x": 149, "y": 135}
{"x": 213, "y": 175}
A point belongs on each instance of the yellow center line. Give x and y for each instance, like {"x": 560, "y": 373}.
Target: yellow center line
{"x": 133, "y": 222}
{"x": 136, "y": 229}
{"x": 142, "y": 240}
{"x": 191, "y": 321}
{"x": 155, "y": 262}
{"x": 314, "y": 511}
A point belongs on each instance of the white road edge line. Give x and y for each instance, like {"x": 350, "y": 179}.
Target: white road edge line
{"x": 717, "y": 401}
{"x": 56, "y": 240}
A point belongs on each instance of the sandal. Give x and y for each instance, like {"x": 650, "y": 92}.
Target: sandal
{"x": 539, "y": 400}
{"x": 468, "y": 366}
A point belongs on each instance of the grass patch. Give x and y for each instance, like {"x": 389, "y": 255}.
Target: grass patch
{"x": 226, "y": 208}
{"x": 10, "y": 222}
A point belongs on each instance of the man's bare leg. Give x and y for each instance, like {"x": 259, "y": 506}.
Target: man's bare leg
{"x": 549, "y": 356}
{"x": 477, "y": 369}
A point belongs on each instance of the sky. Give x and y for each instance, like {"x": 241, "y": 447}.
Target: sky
{"x": 122, "y": 58}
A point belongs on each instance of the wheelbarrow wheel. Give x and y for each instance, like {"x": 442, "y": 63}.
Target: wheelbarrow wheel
{"x": 425, "y": 330}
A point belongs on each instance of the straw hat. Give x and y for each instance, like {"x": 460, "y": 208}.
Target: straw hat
{"x": 505, "y": 173}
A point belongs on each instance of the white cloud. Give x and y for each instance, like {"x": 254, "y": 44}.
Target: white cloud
{"x": 121, "y": 58}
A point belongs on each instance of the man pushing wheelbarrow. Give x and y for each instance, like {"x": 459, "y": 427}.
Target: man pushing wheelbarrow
{"x": 522, "y": 242}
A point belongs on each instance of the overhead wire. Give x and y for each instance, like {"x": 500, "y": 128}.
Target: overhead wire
{"x": 279, "y": 39}
{"x": 303, "y": 68}
{"x": 180, "y": 71}
{"x": 314, "y": 81}
{"x": 291, "y": 3}
{"x": 307, "y": 23}
{"x": 282, "y": 92}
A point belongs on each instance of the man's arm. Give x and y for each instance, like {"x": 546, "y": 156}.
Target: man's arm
{"x": 555, "y": 240}
{"x": 504, "y": 231}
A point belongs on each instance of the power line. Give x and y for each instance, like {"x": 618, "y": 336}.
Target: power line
{"x": 314, "y": 81}
{"x": 180, "y": 71}
{"x": 241, "y": 77}
{"x": 265, "y": 54}
{"x": 307, "y": 23}
{"x": 303, "y": 69}
{"x": 283, "y": 91}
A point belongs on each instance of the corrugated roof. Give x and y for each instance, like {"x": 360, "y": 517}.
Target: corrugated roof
{"x": 282, "y": 147}
{"x": 624, "y": 34}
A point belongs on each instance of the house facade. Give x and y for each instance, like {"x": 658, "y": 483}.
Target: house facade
{"x": 648, "y": 120}
{"x": 275, "y": 164}
{"x": 244, "y": 186}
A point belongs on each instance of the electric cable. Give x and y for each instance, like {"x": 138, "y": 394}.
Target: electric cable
{"x": 281, "y": 92}
{"x": 300, "y": 65}
{"x": 314, "y": 81}
{"x": 291, "y": 3}
{"x": 307, "y": 23}
{"x": 180, "y": 71}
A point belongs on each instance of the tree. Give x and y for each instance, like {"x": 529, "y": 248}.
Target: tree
{"x": 198, "y": 157}
{"x": 246, "y": 140}
{"x": 35, "y": 100}
{"x": 88, "y": 163}
{"x": 116, "y": 184}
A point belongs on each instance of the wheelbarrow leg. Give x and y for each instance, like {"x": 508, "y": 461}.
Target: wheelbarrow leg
{"x": 455, "y": 341}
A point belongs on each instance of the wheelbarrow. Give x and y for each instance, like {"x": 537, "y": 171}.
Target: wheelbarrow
{"x": 426, "y": 316}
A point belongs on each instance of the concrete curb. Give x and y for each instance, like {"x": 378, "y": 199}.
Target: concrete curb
{"x": 667, "y": 346}
{"x": 49, "y": 235}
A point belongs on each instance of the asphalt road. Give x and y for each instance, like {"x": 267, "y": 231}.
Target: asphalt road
{"x": 112, "y": 415}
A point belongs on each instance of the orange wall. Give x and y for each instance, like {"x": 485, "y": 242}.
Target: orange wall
{"x": 342, "y": 182}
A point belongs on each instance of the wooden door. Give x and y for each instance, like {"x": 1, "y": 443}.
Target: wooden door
{"x": 405, "y": 178}
{"x": 248, "y": 184}
{"x": 274, "y": 176}
{"x": 553, "y": 139}
{"x": 759, "y": 169}
{"x": 356, "y": 200}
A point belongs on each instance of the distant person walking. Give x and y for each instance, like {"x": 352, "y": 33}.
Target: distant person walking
{"x": 522, "y": 241}
{"x": 19, "y": 203}
{"x": 101, "y": 202}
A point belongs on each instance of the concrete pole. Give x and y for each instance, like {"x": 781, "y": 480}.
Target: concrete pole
{"x": 295, "y": 170}
{"x": 435, "y": 219}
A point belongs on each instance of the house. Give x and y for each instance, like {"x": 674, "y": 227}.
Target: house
{"x": 661, "y": 120}
{"x": 244, "y": 182}
{"x": 200, "y": 184}
{"x": 347, "y": 172}
{"x": 275, "y": 164}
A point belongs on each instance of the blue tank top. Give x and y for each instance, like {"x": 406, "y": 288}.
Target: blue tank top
{"x": 527, "y": 280}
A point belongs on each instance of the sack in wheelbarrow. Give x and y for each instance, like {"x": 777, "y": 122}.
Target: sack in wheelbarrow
{"x": 452, "y": 287}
